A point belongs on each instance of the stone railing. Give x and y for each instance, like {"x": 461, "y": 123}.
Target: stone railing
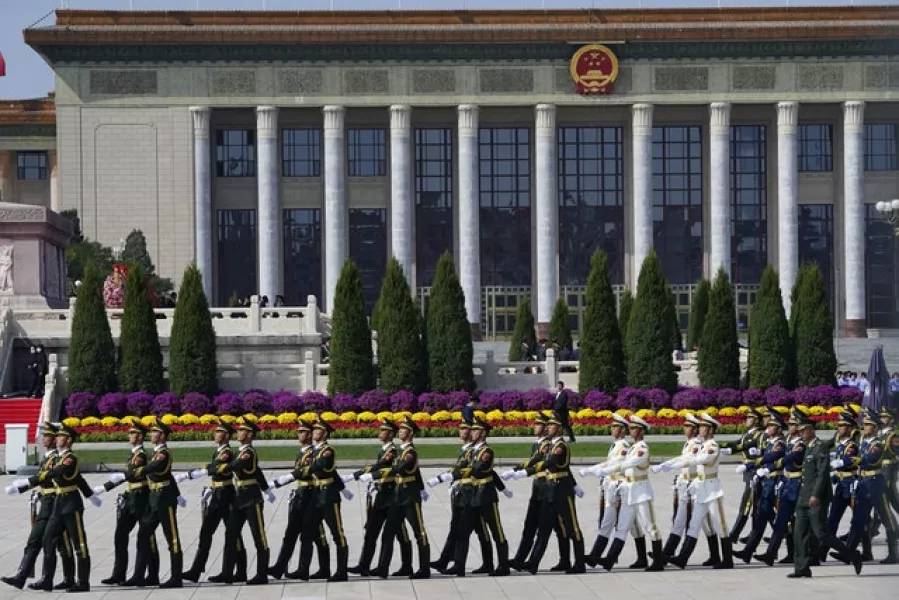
{"x": 6, "y": 346}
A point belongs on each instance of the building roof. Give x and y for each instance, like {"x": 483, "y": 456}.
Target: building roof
{"x": 32, "y": 111}
{"x": 128, "y": 28}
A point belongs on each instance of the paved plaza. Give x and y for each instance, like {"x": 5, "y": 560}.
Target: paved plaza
{"x": 755, "y": 581}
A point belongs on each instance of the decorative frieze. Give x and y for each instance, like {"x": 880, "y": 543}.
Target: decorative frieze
{"x": 138, "y": 82}
{"x": 750, "y": 78}
{"x": 233, "y": 82}
{"x": 300, "y": 82}
{"x": 820, "y": 78}
{"x": 882, "y": 77}
{"x": 681, "y": 79}
{"x": 433, "y": 81}
{"x": 366, "y": 81}
{"x": 506, "y": 81}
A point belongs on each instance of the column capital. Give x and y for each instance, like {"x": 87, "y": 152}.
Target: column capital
{"x": 853, "y": 115}
{"x": 468, "y": 119}
{"x": 719, "y": 118}
{"x": 266, "y": 121}
{"x": 642, "y": 119}
{"x": 200, "y": 116}
{"x": 545, "y": 117}
{"x": 334, "y": 120}
{"x": 787, "y": 116}
{"x": 400, "y": 119}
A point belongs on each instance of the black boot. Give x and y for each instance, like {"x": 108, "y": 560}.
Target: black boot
{"x": 68, "y": 573}
{"x": 119, "y": 570}
{"x": 681, "y": 559}
{"x": 738, "y": 528}
{"x": 84, "y": 577}
{"x": 18, "y": 580}
{"x": 788, "y": 559}
{"x": 727, "y": 555}
{"x": 47, "y": 573}
{"x": 596, "y": 552}
{"x": 405, "y": 569}
{"x": 152, "y": 577}
{"x": 502, "y": 568}
{"x": 671, "y": 545}
{"x": 773, "y": 546}
{"x": 614, "y": 552}
{"x": 537, "y": 552}
{"x": 640, "y": 544}
{"x": 262, "y": 556}
{"x": 363, "y": 567}
{"x": 714, "y": 554}
{"x": 658, "y": 557}
{"x": 892, "y": 556}
{"x": 564, "y": 555}
{"x": 198, "y": 566}
{"x": 751, "y": 544}
{"x": 343, "y": 556}
{"x": 578, "y": 566}
{"x": 278, "y": 569}
{"x": 323, "y": 551}
{"x": 174, "y": 581}
{"x": 424, "y": 563}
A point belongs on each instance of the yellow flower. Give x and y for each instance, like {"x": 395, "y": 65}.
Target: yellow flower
{"x": 457, "y": 415}
{"x": 188, "y": 419}
{"x": 857, "y": 408}
{"x": 624, "y": 412}
{"x": 129, "y": 420}
{"x": 399, "y": 416}
{"x": 478, "y": 413}
{"x": 603, "y": 414}
{"x": 366, "y": 417}
{"x": 743, "y": 409}
{"x": 666, "y": 413}
{"x": 646, "y": 413}
{"x": 385, "y": 414}
{"x": 348, "y": 417}
{"x": 109, "y": 421}
{"x": 728, "y": 412}
{"x": 421, "y": 417}
{"x": 309, "y": 416}
{"x": 711, "y": 411}
{"x": 835, "y": 410}
{"x": 288, "y": 418}
{"x": 441, "y": 415}
{"x": 229, "y": 419}
{"x": 90, "y": 422}
{"x": 148, "y": 421}
{"x": 495, "y": 415}
{"x": 72, "y": 422}
{"x": 330, "y": 416}
{"x": 249, "y": 418}
{"x": 784, "y": 410}
{"x": 170, "y": 419}
{"x": 209, "y": 419}
{"x": 802, "y": 408}
{"x": 817, "y": 410}
{"x": 682, "y": 413}
{"x": 268, "y": 419}
{"x": 586, "y": 413}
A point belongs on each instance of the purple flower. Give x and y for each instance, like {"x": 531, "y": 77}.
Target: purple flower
{"x": 630, "y": 399}
{"x": 140, "y": 404}
{"x": 431, "y": 402}
{"x": 456, "y": 400}
{"x": 575, "y": 401}
{"x": 113, "y": 405}
{"x": 284, "y": 402}
{"x": 228, "y": 403}
{"x": 777, "y": 395}
{"x": 599, "y": 400}
{"x": 728, "y": 398}
{"x": 657, "y": 398}
{"x": 166, "y": 404}
{"x": 345, "y": 403}
{"x": 374, "y": 401}
{"x": 753, "y": 397}
{"x": 850, "y": 395}
{"x": 257, "y": 402}
{"x": 196, "y": 403}
{"x": 692, "y": 399}
{"x": 510, "y": 400}
{"x": 538, "y": 399}
{"x": 314, "y": 402}
{"x": 490, "y": 400}
{"x": 81, "y": 404}
{"x": 821, "y": 395}
{"x": 403, "y": 400}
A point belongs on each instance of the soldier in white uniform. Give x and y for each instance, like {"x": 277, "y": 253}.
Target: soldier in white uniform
{"x": 709, "y": 496}
{"x": 610, "y": 497}
{"x": 636, "y": 498}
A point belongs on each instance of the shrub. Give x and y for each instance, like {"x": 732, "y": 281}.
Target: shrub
{"x": 511, "y": 400}
{"x": 491, "y": 400}
{"x": 560, "y": 325}
{"x": 167, "y": 404}
{"x": 257, "y": 402}
{"x": 816, "y": 360}
{"x": 401, "y": 363}
{"x": 777, "y": 395}
{"x": 524, "y": 332}
{"x": 538, "y": 399}
{"x": 140, "y": 367}
{"x": 196, "y": 403}
{"x": 770, "y": 354}
{"x": 457, "y": 399}
{"x": 677, "y": 336}
{"x": 719, "y": 351}
{"x": 631, "y": 399}
{"x": 286, "y": 402}
{"x": 403, "y": 400}
{"x": 140, "y": 404}
{"x": 625, "y": 306}
{"x": 649, "y": 362}
{"x": 113, "y": 404}
{"x": 92, "y": 355}
{"x": 374, "y": 401}
{"x": 450, "y": 350}
{"x": 81, "y": 405}
{"x": 432, "y": 402}
{"x": 599, "y": 400}
{"x": 228, "y": 403}
{"x": 727, "y": 398}
{"x": 691, "y": 399}
{"x": 351, "y": 370}
{"x": 699, "y": 308}
{"x": 602, "y": 356}
{"x": 314, "y": 401}
{"x": 656, "y": 398}
{"x": 192, "y": 361}
{"x": 343, "y": 403}
{"x": 753, "y": 397}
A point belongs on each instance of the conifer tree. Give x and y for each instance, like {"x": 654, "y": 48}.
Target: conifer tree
{"x": 350, "y": 368}
{"x": 677, "y": 336}
{"x": 450, "y": 350}
{"x": 140, "y": 366}
{"x": 400, "y": 356}
{"x": 816, "y": 361}
{"x": 602, "y": 353}
{"x": 770, "y": 351}
{"x": 92, "y": 353}
{"x": 524, "y": 332}
{"x": 193, "y": 366}
{"x": 649, "y": 362}
{"x": 560, "y": 325}
{"x": 719, "y": 349}
{"x": 699, "y": 308}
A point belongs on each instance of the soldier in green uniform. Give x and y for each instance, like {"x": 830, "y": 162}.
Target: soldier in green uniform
{"x": 751, "y": 439}
{"x": 301, "y": 502}
{"x": 379, "y": 497}
{"x": 406, "y": 503}
{"x": 815, "y": 494}
{"x": 218, "y": 504}
{"x": 890, "y": 464}
{"x": 247, "y": 507}
{"x": 130, "y": 508}
{"x": 162, "y": 508}
{"x": 45, "y": 496}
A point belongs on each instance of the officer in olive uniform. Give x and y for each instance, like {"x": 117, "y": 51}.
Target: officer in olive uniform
{"x": 44, "y": 495}
{"x": 130, "y": 508}
{"x": 218, "y": 504}
{"x": 891, "y": 456}
{"x": 301, "y": 502}
{"x": 753, "y": 437}
{"x": 379, "y": 496}
{"x": 162, "y": 508}
{"x": 406, "y": 504}
{"x": 247, "y": 507}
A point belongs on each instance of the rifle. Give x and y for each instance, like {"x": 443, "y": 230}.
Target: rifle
{"x": 32, "y": 505}
{"x": 370, "y": 491}
{"x": 205, "y": 497}
{"x": 602, "y": 499}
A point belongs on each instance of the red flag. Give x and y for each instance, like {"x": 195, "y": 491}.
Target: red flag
{"x": 2, "y": 66}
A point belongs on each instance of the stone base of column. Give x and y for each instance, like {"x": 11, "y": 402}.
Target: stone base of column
{"x": 476, "y": 335}
{"x": 543, "y": 332}
{"x": 855, "y": 328}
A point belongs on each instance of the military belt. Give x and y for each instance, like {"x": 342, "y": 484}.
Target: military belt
{"x": 559, "y": 475}
{"x": 130, "y": 487}
{"x": 401, "y": 480}
{"x": 67, "y": 490}
{"x": 323, "y": 482}
{"x": 793, "y": 475}
{"x": 689, "y": 476}
{"x": 47, "y": 491}
{"x": 873, "y": 473}
{"x": 707, "y": 477}
{"x": 540, "y": 475}
{"x": 774, "y": 474}
{"x": 246, "y": 482}
{"x": 636, "y": 478}
{"x": 220, "y": 484}
{"x": 159, "y": 485}
{"x": 301, "y": 484}
{"x": 886, "y": 462}
{"x": 844, "y": 474}
{"x": 474, "y": 481}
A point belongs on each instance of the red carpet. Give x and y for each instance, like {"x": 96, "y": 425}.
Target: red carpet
{"x": 20, "y": 411}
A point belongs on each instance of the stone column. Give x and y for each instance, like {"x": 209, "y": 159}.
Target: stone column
{"x": 547, "y": 238}
{"x": 401, "y": 240}
{"x": 719, "y": 147}
{"x": 854, "y": 217}
{"x": 787, "y": 199}
{"x": 641, "y": 129}
{"x": 7, "y": 175}
{"x": 469, "y": 216}
{"x": 203, "y": 198}
{"x": 269, "y": 207}
{"x": 336, "y": 216}
{"x": 53, "y": 168}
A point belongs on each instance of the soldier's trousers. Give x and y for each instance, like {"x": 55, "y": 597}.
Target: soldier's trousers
{"x": 252, "y": 516}
{"x": 35, "y": 542}
{"x": 474, "y": 517}
{"x": 215, "y": 516}
{"x": 810, "y": 532}
{"x": 313, "y": 521}
{"x": 124, "y": 525}
{"x": 709, "y": 518}
{"x": 165, "y": 516}
{"x": 643, "y": 513}
{"x": 410, "y": 513}
{"x": 746, "y": 509}
{"x": 300, "y": 504}
{"x": 449, "y": 546}
{"x": 374, "y": 524}
{"x": 559, "y": 517}
{"x": 72, "y": 525}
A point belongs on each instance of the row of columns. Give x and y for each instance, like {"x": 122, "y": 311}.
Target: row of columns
{"x": 546, "y": 205}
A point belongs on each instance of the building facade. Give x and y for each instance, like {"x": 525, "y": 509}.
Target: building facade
{"x": 268, "y": 147}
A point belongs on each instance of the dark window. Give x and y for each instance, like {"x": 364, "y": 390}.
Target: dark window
{"x": 367, "y": 152}
{"x": 32, "y": 166}
{"x": 591, "y": 201}
{"x": 816, "y": 242}
{"x": 235, "y": 153}
{"x": 433, "y": 200}
{"x": 677, "y": 201}
{"x": 881, "y": 281}
{"x": 236, "y": 254}
{"x": 368, "y": 249}
{"x": 302, "y": 255}
{"x": 505, "y": 177}
{"x": 301, "y": 153}
{"x": 749, "y": 203}
{"x": 881, "y": 147}
{"x": 815, "y": 147}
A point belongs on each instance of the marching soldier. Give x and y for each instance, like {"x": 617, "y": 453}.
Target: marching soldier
{"x": 162, "y": 508}
{"x": 247, "y": 508}
{"x": 636, "y": 499}
{"x": 301, "y": 501}
{"x": 218, "y": 504}
{"x": 378, "y": 498}
{"x": 751, "y": 439}
{"x": 846, "y": 451}
{"x": 406, "y": 504}
{"x": 130, "y": 508}
{"x": 44, "y": 496}
{"x": 891, "y": 456}
{"x": 709, "y": 495}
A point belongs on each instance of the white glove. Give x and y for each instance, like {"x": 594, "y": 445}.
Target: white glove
{"x": 182, "y": 501}
{"x": 578, "y": 491}
{"x": 434, "y": 481}
{"x": 667, "y": 466}
{"x": 833, "y": 455}
{"x": 603, "y": 472}
{"x": 520, "y": 475}
{"x": 507, "y": 475}
{"x": 425, "y": 495}
{"x": 284, "y": 479}
{"x": 270, "y": 496}
{"x": 656, "y": 468}
{"x": 755, "y": 452}
{"x": 347, "y": 493}
{"x": 198, "y": 474}
{"x": 20, "y": 483}
{"x": 207, "y": 493}
{"x": 11, "y": 490}
{"x": 117, "y": 478}
{"x": 366, "y": 477}
{"x": 182, "y": 477}
{"x": 725, "y": 451}
{"x": 508, "y": 493}
{"x": 99, "y": 490}
{"x": 740, "y": 469}
{"x": 444, "y": 477}
{"x": 837, "y": 463}
{"x": 347, "y": 478}
{"x": 585, "y": 472}
{"x": 95, "y": 500}
{"x": 762, "y": 472}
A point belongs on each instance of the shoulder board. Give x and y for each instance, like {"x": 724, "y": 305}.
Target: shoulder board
{"x": 138, "y": 458}
{"x": 160, "y": 456}
{"x": 246, "y": 455}
{"x": 894, "y": 441}
{"x": 875, "y": 445}
{"x": 69, "y": 461}
{"x": 778, "y": 445}
{"x": 558, "y": 450}
{"x": 326, "y": 451}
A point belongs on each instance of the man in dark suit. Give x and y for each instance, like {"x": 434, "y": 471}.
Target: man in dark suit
{"x": 468, "y": 409}
{"x": 560, "y": 407}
